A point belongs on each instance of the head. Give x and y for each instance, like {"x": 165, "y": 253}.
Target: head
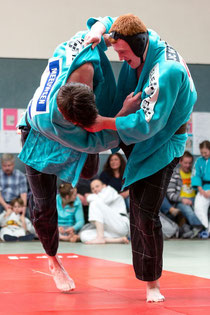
{"x": 67, "y": 193}
{"x": 186, "y": 162}
{"x": 115, "y": 162}
{"x": 205, "y": 149}
{"x": 7, "y": 163}
{"x": 96, "y": 186}
{"x": 17, "y": 205}
{"x": 129, "y": 38}
{"x": 76, "y": 102}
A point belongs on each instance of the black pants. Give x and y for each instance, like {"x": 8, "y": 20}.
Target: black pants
{"x": 43, "y": 202}
{"x": 146, "y": 197}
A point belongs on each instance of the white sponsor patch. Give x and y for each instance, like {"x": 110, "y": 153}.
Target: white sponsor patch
{"x": 73, "y": 48}
{"x": 152, "y": 91}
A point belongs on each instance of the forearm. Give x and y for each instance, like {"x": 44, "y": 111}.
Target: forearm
{"x": 79, "y": 223}
{"x": 106, "y": 21}
{"x": 173, "y": 195}
{"x": 98, "y": 28}
{"x": 109, "y": 123}
{"x": 103, "y": 123}
{"x": 24, "y": 198}
{"x": 24, "y": 224}
{"x": 125, "y": 194}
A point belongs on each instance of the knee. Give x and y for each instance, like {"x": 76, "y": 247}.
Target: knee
{"x": 149, "y": 223}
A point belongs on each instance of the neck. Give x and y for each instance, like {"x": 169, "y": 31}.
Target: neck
{"x": 116, "y": 173}
{"x": 139, "y": 70}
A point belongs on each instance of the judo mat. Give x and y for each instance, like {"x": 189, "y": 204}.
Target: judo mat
{"x": 102, "y": 287}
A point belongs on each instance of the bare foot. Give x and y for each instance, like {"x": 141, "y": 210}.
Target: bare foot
{"x": 75, "y": 238}
{"x": 153, "y": 292}
{"x": 97, "y": 240}
{"x": 62, "y": 280}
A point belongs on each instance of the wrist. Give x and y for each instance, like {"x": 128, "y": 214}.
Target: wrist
{"x": 98, "y": 28}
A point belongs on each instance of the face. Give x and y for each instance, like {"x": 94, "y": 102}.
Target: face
{"x": 114, "y": 162}
{"x": 17, "y": 208}
{"x": 96, "y": 186}
{"x": 205, "y": 153}
{"x": 7, "y": 167}
{"x": 125, "y": 53}
{"x": 186, "y": 164}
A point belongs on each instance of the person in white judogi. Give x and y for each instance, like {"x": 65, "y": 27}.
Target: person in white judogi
{"x": 108, "y": 218}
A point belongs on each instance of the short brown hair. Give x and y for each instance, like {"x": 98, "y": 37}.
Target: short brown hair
{"x": 18, "y": 200}
{"x": 127, "y": 24}
{"x": 186, "y": 154}
{"x": 66, "y": 189}
{"x": 76, "y": 102}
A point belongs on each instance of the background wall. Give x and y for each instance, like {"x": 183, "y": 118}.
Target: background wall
{"x": 32, "y": 29}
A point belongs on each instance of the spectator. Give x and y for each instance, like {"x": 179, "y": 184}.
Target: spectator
{"x": 83, "y": 188}
{"x": 70, "y": 213}
{"x": 181, "y": 194}
{"x": 107, "y": 215}
{"x": 14, "y": 225}
{"x": 13, "y": 183}
{"x": 113, "y": 174}
{"x": 201, "y": 180}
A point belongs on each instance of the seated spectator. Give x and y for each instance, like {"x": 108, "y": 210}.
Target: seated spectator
{"x": 112, "y": 174}
{"x": 181, "y": 194}
{"x": 107, "y": 215}
{"x": 14, "y": 225}
{"x": 70, "y": 213}
{"x": 13, "y": 183}
{"x": 83, "y": 188}
{"x": 201, "y": 180}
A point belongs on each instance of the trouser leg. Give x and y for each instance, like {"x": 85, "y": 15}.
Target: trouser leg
{"x": 90, "y": 168}
{"x": 146, "y": 197}
{"x": 201, "y": 208}
{"x": 165, "y": 207}
{"x": 43, "y": 206}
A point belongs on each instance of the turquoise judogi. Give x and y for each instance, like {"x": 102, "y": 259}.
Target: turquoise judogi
{"x": 201, "y": 173}
{"x": 70, "y": 215}
{"x": 168, "y": 96}
{"x": 55, "y": 146}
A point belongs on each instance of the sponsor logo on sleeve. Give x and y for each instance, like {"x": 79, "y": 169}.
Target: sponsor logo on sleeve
{"x": 73, "y": 48}
{"x": 152, "y": 91}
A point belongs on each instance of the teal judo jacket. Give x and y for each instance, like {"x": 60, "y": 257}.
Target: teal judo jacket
{"x": 54, "y": 145}
{"x": 168, "y": 97}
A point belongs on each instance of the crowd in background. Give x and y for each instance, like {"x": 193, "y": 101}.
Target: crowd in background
{"x": 97, "y": 210}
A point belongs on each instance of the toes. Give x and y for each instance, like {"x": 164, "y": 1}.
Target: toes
{"x": 159, "y": 298}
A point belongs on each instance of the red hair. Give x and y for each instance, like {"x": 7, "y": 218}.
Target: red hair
{"x": 128, "y": 24}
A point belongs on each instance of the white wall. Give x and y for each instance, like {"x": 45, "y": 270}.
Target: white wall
{"x": 32, "y": 29}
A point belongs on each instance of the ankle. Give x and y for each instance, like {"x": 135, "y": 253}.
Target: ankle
{"x": 153, "y": 284}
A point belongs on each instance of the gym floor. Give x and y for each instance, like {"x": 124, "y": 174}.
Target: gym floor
{"x": 190, "y": 257}
{"x": 105, "y": 281}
